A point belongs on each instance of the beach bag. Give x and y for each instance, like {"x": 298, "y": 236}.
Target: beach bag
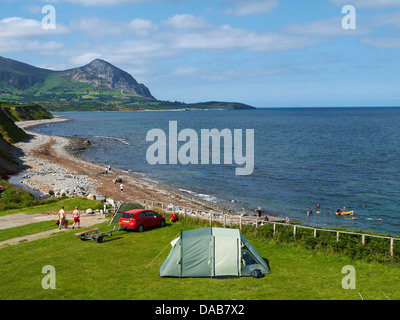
{"x": 256, "y": 273}
{"x": 63, "y": 223}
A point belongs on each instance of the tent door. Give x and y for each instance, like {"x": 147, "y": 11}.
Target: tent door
{"x": 226, "y": 255}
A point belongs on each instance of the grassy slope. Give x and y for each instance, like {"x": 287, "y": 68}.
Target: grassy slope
{"x": 116, "y": 269}
{"x": 25, "y": 112}
{"x": 10, "y": 132}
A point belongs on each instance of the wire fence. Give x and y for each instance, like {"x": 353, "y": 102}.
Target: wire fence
{"x": 229, "y": 219}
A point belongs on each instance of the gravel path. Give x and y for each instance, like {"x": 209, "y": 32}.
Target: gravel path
{"x": 20, "y": 219}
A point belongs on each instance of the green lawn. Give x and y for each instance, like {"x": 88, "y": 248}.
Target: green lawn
{"x": 54, "y": 205}
{"x": 119, "y": 268}
{"x": 10, "y": 233}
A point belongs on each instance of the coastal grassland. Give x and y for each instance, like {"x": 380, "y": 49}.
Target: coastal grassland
{"x": 9, "y": 130}
{"x": 25, "y": 112}
{"x": 17, "y": 200}
{"x": 126, "y": 266}
{"x": 14, "y": 198}
{"x": 33, "y": 228}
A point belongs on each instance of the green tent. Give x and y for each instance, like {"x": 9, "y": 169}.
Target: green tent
{"x": 123, "y": 207}
{"x": 212, "y": 252}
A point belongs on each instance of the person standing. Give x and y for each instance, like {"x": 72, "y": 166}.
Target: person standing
{"x": 62, "y": 218}
{"x": 259, "y": 211}
{"x": 77, "y": 218}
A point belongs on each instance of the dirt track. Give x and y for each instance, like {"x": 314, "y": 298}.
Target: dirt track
{"x": 20, "y": 219}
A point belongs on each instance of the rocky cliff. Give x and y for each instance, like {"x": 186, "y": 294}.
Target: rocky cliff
{"x": 101, "y": 73}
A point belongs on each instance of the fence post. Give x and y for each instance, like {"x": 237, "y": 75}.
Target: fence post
{"x": 315, "y": 233}
{"x": 391, "y": 246}
{"x": 210, "y": 219}
{"x": 197, "y": 215}
{"x": 337, "y": 236}
{"x": 240, "y": 223}
{"x": 274, "y": 227}
{"x": 294, "y": 231}
{"x": 363, "y": 239}
{"x": 162, "y": 207}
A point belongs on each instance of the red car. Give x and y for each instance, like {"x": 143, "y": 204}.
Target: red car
{"x": 140, "y": 219}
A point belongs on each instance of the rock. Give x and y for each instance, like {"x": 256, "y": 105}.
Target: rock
{"x": 110, "y": 201}
{"x": 87, "y": 142}
{"x": 91, "y": 197}
{"x": 89, "y": 211}
{"x": 100, "y": 198}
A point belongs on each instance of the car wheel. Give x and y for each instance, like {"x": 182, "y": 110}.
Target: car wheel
{"x": 140, "y": 228}
{"x": 100, "y": 239}
{"x": 162, "y": 224}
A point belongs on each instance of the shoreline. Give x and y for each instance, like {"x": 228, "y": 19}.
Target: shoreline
{"x": 52, "y": 165}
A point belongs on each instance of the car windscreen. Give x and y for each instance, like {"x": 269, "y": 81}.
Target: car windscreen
{"x": 127, "y": 215}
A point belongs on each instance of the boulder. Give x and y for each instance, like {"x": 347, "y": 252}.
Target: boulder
{"x": 91, "y": 197}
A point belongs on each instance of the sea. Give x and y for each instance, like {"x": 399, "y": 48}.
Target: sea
{"x": 305, "y": 159}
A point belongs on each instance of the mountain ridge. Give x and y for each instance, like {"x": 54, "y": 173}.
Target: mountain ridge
{"x": 112, "y": 76}
{"x": 96, "y": 86}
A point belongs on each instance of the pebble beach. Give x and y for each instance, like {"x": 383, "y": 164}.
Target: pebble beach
{"x": 52, "y": 167}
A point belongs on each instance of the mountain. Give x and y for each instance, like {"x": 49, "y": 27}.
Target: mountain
{"x": 97, "y": 86}
{"x": 100, "y": 73}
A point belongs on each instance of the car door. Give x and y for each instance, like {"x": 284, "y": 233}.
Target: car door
{"x": 142, "y": 219}
{"x": 151, "y": 218}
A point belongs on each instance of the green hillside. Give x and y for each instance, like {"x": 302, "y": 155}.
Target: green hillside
{"x": 10, "y": 133}
{"x": 97, "y": 86}
{"x": 25, "y": 112}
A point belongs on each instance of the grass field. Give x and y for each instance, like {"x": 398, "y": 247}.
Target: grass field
{"x": 126, "y": 266}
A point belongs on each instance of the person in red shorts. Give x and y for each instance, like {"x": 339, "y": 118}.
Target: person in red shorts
{"x": 174, "y": 217}
{"x": 77, "y": 219}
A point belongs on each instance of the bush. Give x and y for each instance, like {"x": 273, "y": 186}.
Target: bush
{"x": 374, "y": 249}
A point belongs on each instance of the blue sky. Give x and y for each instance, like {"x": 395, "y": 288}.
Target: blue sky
{"x": 266, "y": 53}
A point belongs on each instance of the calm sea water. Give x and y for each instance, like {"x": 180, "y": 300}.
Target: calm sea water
{"x": 331, "y": 156}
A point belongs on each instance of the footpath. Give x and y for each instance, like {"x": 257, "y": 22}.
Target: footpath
{"x": 20, "y": 219}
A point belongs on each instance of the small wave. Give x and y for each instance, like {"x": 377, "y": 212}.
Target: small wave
{"x": 203, "y": 196}
{"x": 123, "y": 140}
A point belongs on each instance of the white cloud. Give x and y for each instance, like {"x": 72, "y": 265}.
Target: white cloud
{"x": 104, "y": 3}
{"x": 186, "y": 70}
{"x": 18, "y": 34}
{"x": 327, "y": 28}
{"x": 251, "y": 7}
{"x": 85, "y": 58}
{"x": 98, "y": 27}
{"x": 225, "y": 38}
{"x": 20, "y": 27}
{"x": 186, "y": 21}
{"x": 382, "y": 43}
{"x": 49, "y": 48}
{"x": 141, "y": 27}
{"x": 369, "y": 3}
{"x": 392, "y": 19}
